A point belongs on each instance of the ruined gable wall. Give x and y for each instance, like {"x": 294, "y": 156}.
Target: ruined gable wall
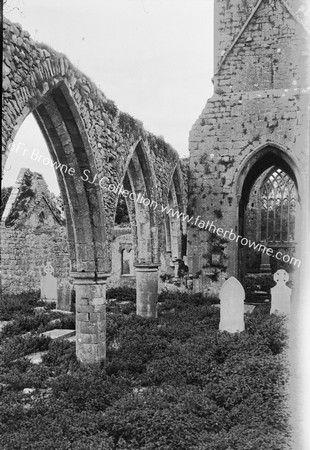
{"x": 229, "y": 16}
{"x": 27, "y": 242}
{"x": 268, "y": 54}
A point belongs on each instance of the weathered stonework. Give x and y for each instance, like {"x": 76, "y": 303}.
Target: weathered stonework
{"x": 96, "y": 146}
{"x": 257, "y": 117}
{"x": 103, "y": 146}
{"x": 122, "y": 240}
{"x": 32, "y": 233}
{"x": 90, "y": 316}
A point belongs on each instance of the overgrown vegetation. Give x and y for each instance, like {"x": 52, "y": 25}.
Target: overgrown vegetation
{"x": 130, "y": 125}
{"x": 19, "y": 311}
{"x": 169, "y": 383}
{"x": 121, "y": 294}
{"x": 14, "y": 306}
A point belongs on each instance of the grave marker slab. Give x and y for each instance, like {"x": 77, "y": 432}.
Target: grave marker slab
{"x": 280, "y": 294}
{"x": 48, "y": 284}
{"x": 232, "y": 297}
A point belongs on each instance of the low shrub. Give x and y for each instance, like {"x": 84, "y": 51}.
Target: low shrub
{"x": 258, "y": 283}
{"x": 61, "y": 356}
{"x": 174, "y": 382}
{"x": 48, "y": 320}
{"x": 13, "y": 305}
{"x": 270, "y": 329}
{"x": 121, "y": 294}
{"x": 19, "y": 346}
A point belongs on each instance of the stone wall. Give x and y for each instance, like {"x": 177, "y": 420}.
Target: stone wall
{"x": 259, "y": 110}
{"x": 123, "y": 241}
{"x": 33, "y": 232}
{"x": 26, "y": 250}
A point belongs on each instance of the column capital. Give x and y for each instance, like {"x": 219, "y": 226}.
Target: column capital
{"x": 89, "y": 277}
{"x": 146, "y": 267}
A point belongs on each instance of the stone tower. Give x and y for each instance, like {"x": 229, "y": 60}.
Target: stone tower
{"x": 257, "y": 119}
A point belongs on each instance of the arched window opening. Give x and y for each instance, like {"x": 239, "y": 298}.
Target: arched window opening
{"x": 270, "y": 219}
{"x": 278, "y": 206}
{"x": 127, "y": 260}
{"x": 122, "y": 215}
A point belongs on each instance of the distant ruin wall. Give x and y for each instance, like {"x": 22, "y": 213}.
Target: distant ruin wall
{"x": 25, "y": 251}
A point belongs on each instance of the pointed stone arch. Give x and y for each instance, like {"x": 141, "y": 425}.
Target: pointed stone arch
{"x": 138, "y": 185}
{"x": 87, "y": 133}
{"x": 69, "y": 146}
{"x": 139, "y": 181}
{"x": 266, "y": 157}
{"x": 175, "y": 227}
{"x": 62, "y": 126}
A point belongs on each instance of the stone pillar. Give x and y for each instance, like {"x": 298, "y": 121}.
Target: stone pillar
{"x": 90, "y": 316}
{"x": 147, "y": 289}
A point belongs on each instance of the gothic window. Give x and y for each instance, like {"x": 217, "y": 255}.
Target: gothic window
{"x": 270, "y": 216}
{"x": 278, "y": 208}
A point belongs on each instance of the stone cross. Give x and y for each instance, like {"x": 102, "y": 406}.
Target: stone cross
{"x": 280, "y": 294}
{"x": 48, "y": 284}
{"x": 232, "y": 297}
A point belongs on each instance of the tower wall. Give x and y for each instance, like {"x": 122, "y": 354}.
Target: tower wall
{"x": 260, "y": 101}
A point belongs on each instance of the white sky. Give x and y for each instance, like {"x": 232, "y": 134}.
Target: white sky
{"x": 153, "y": 58}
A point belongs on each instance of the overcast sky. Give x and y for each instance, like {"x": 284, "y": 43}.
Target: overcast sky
{"x": 153, "y": 58}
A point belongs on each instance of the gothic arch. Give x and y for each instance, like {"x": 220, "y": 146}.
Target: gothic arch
{"x": 59, "y": 121}
{"x": 139, "y": 179}
{"x": 175, "y": 227}
{"x": 69, "y": 146}
{"x": 266, "y": 157}
{"x": 87, "y": 133}
{"x": 48, "y": 92}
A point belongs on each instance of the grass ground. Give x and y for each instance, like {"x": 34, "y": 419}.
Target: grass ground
{"x": 169, "y": 383}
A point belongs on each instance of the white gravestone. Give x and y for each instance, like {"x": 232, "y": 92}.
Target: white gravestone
{"x": 48, "y": 284}
{"x": 280, "y": 294}
{"x": 232, "y": 297}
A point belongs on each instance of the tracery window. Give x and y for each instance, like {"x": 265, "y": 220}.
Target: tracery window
{"x": 277, "y": 199}
{"x": 272, "y": 208}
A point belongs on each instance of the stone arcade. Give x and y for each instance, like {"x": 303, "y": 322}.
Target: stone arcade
{"x": 257, "y": 120}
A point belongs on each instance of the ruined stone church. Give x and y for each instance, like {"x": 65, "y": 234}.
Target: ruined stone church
{"x": 246, "y": 181}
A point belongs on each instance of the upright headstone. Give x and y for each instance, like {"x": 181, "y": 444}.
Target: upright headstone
{"x": 64, "y": 289}
{"x": 232, "y": 297}
{"x": 280, "y": 294}
{"x": 48, "y": 284}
